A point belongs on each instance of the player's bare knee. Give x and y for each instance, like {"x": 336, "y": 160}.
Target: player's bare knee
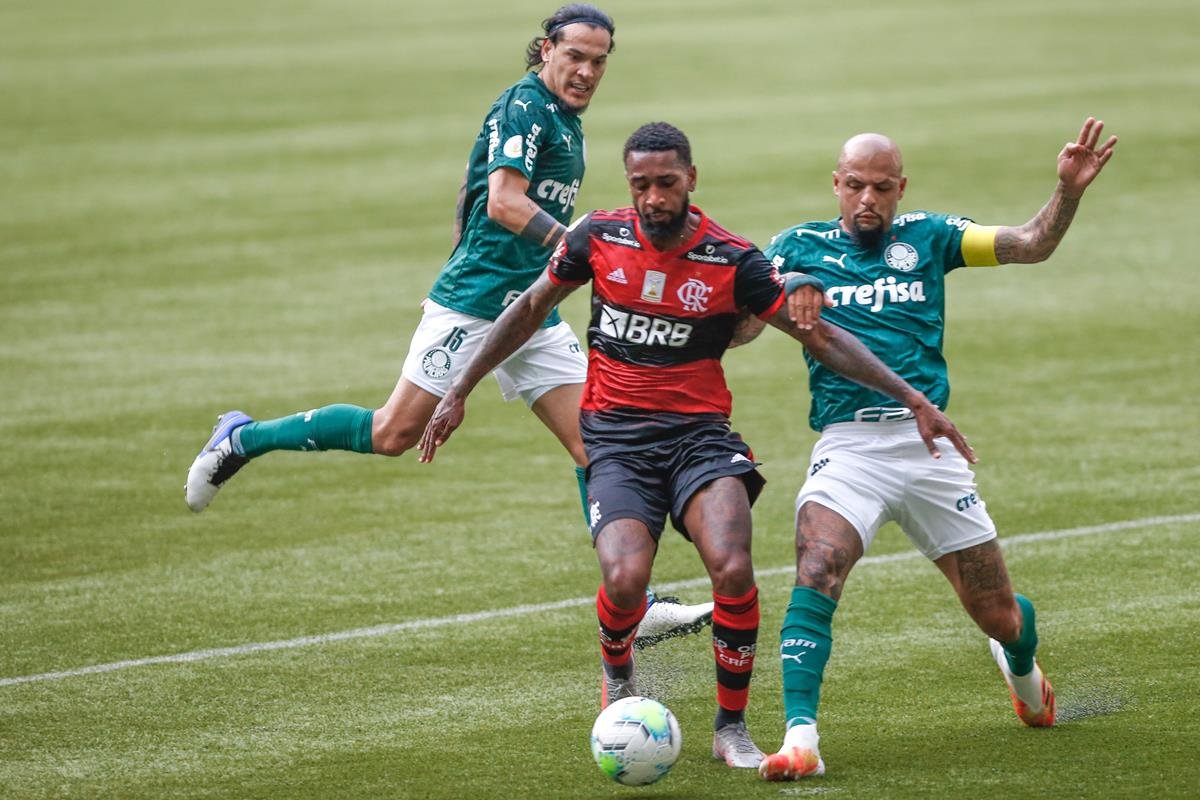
{"x": 395, "y": 438}
{"x": 625, "y": 585}
{"x": 626, "y": 593}
{"x": 822, "y": 566}
{"x": 734, "y": 576}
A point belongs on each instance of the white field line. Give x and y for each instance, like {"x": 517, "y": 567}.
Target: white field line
{"x": 516, "y": 611}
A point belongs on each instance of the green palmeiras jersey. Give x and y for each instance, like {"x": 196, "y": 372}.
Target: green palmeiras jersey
{"x": 526, "y": 130}
{"x": 892, "y": 297}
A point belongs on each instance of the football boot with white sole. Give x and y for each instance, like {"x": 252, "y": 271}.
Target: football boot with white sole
{"x": 216, "y": 462}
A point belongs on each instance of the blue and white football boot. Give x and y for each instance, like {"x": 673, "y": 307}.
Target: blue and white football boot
{"x": 216, "y": 463}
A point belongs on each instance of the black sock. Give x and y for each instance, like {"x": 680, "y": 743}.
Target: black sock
{"x": 727, "y": 717}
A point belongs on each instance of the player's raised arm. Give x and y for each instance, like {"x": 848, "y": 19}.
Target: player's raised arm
{"x": 512, "y": 329}
{"x": 1079, "y": 163}
{"x": 844, "y": 353}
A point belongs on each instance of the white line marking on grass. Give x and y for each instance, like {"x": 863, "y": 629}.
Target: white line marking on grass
{"x": 516, "y": 611}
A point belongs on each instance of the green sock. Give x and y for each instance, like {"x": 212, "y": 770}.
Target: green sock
{"x": 1020, "y": 653}
{"x": 337, "y": 427}
{"x": 805, "y": 642}
{"x": 581, "y": 476}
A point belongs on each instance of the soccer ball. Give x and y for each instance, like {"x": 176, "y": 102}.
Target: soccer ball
{"x": 636, "y": 740}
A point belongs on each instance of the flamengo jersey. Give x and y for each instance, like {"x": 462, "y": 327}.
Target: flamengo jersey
{"x": 662, "y": 320}
{"x": 892, "y": 298}
{"x": 528, "y": 131}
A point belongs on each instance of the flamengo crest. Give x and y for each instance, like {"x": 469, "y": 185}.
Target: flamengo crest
{"x": 694, "y": 294}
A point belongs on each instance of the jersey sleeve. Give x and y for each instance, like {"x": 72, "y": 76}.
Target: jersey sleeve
{"x": 757, "y": 284}
{"x": 947, "y": 238}
{"x": 570, "y": 263}
{"x": 783, "y": 255}
{"x": 516, "y": 133}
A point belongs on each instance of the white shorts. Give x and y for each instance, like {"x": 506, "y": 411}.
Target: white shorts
{"x": 877, "y": 472}
{"x": 445, "y": 341}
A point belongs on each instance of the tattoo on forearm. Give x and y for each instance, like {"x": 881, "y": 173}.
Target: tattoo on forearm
{"x": 459, "y": 210}
{"x": 746, "y": 330}
{"x": 543, "y": 229}
{"x": 1037, "y": 239}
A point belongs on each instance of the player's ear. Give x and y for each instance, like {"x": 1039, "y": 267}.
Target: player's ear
{"x": 691, "y": 173}
{"x": 835, "y": 182}
{"x": 903, "y": 183}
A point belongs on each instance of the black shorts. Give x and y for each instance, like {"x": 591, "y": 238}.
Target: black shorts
{"x": 642, "y": 465}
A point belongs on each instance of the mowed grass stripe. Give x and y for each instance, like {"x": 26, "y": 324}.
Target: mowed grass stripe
{"x": 514, "y": 611}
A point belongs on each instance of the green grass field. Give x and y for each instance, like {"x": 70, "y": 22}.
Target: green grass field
{"x": 240, "y": 205}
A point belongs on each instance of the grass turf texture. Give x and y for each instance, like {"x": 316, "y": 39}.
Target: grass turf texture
{"x": 242, "y": 207}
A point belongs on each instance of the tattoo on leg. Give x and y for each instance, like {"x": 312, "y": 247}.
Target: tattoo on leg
{"x": 982, "y": 569}
{"x": 823, "y": 560}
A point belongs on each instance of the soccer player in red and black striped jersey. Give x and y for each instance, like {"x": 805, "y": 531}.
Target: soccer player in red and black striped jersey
{"x": 668, "y": 288}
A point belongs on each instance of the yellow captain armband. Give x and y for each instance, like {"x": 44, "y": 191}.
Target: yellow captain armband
{"x": 979, "y": 245}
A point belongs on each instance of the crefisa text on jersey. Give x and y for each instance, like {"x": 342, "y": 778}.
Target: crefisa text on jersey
{"x": 877, "y": 294}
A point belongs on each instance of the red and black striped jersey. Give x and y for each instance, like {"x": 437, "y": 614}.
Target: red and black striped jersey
{"x": 661, "y": 320}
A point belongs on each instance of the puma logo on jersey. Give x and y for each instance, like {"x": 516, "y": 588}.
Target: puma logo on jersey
{"x": 737, "y": 457}
{"x": 625, "y": 326}
{"x": 878, "y": 294}
{"x": 567, "y": 138}
{"x": 841, "y": 262}
{"x": 524, "y": 104}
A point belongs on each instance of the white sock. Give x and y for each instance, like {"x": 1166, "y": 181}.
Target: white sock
{"x": 1029, "y": 687}
{"x": 804, "y": 736}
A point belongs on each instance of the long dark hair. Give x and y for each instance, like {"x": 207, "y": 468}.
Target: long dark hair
{"x": 567, "y": 15}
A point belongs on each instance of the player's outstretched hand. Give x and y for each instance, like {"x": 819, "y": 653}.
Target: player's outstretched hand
{"x": 1081, "y": 161}
{"x": 804, "y": 306}
{"x": 446, "y": 418}
{"x": 933, "y": 424}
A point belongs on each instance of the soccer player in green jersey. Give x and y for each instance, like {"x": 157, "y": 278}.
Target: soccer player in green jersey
{"x": 518, "y": 195}
{"x": 884, "y": 277}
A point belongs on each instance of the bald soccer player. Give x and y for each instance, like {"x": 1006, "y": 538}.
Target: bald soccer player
{"x": 884, "y": 276}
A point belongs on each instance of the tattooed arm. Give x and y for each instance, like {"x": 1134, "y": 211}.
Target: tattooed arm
{"x": 843, "y": 353}
{"x": 1078, "y": 165}
{"x": 460, "y": 208}
{"x": 511, "y": 329}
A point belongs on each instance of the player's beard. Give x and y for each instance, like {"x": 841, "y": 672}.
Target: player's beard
{"x": 668, "y": 231}
{"x": 867, "y": 238}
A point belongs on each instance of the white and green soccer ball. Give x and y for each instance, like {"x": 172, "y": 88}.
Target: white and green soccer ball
{"x": 636, "y": 741}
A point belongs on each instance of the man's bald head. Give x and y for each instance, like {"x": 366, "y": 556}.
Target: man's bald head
{"x": 872, "y": 148}
{"x": 869, "y": 182}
